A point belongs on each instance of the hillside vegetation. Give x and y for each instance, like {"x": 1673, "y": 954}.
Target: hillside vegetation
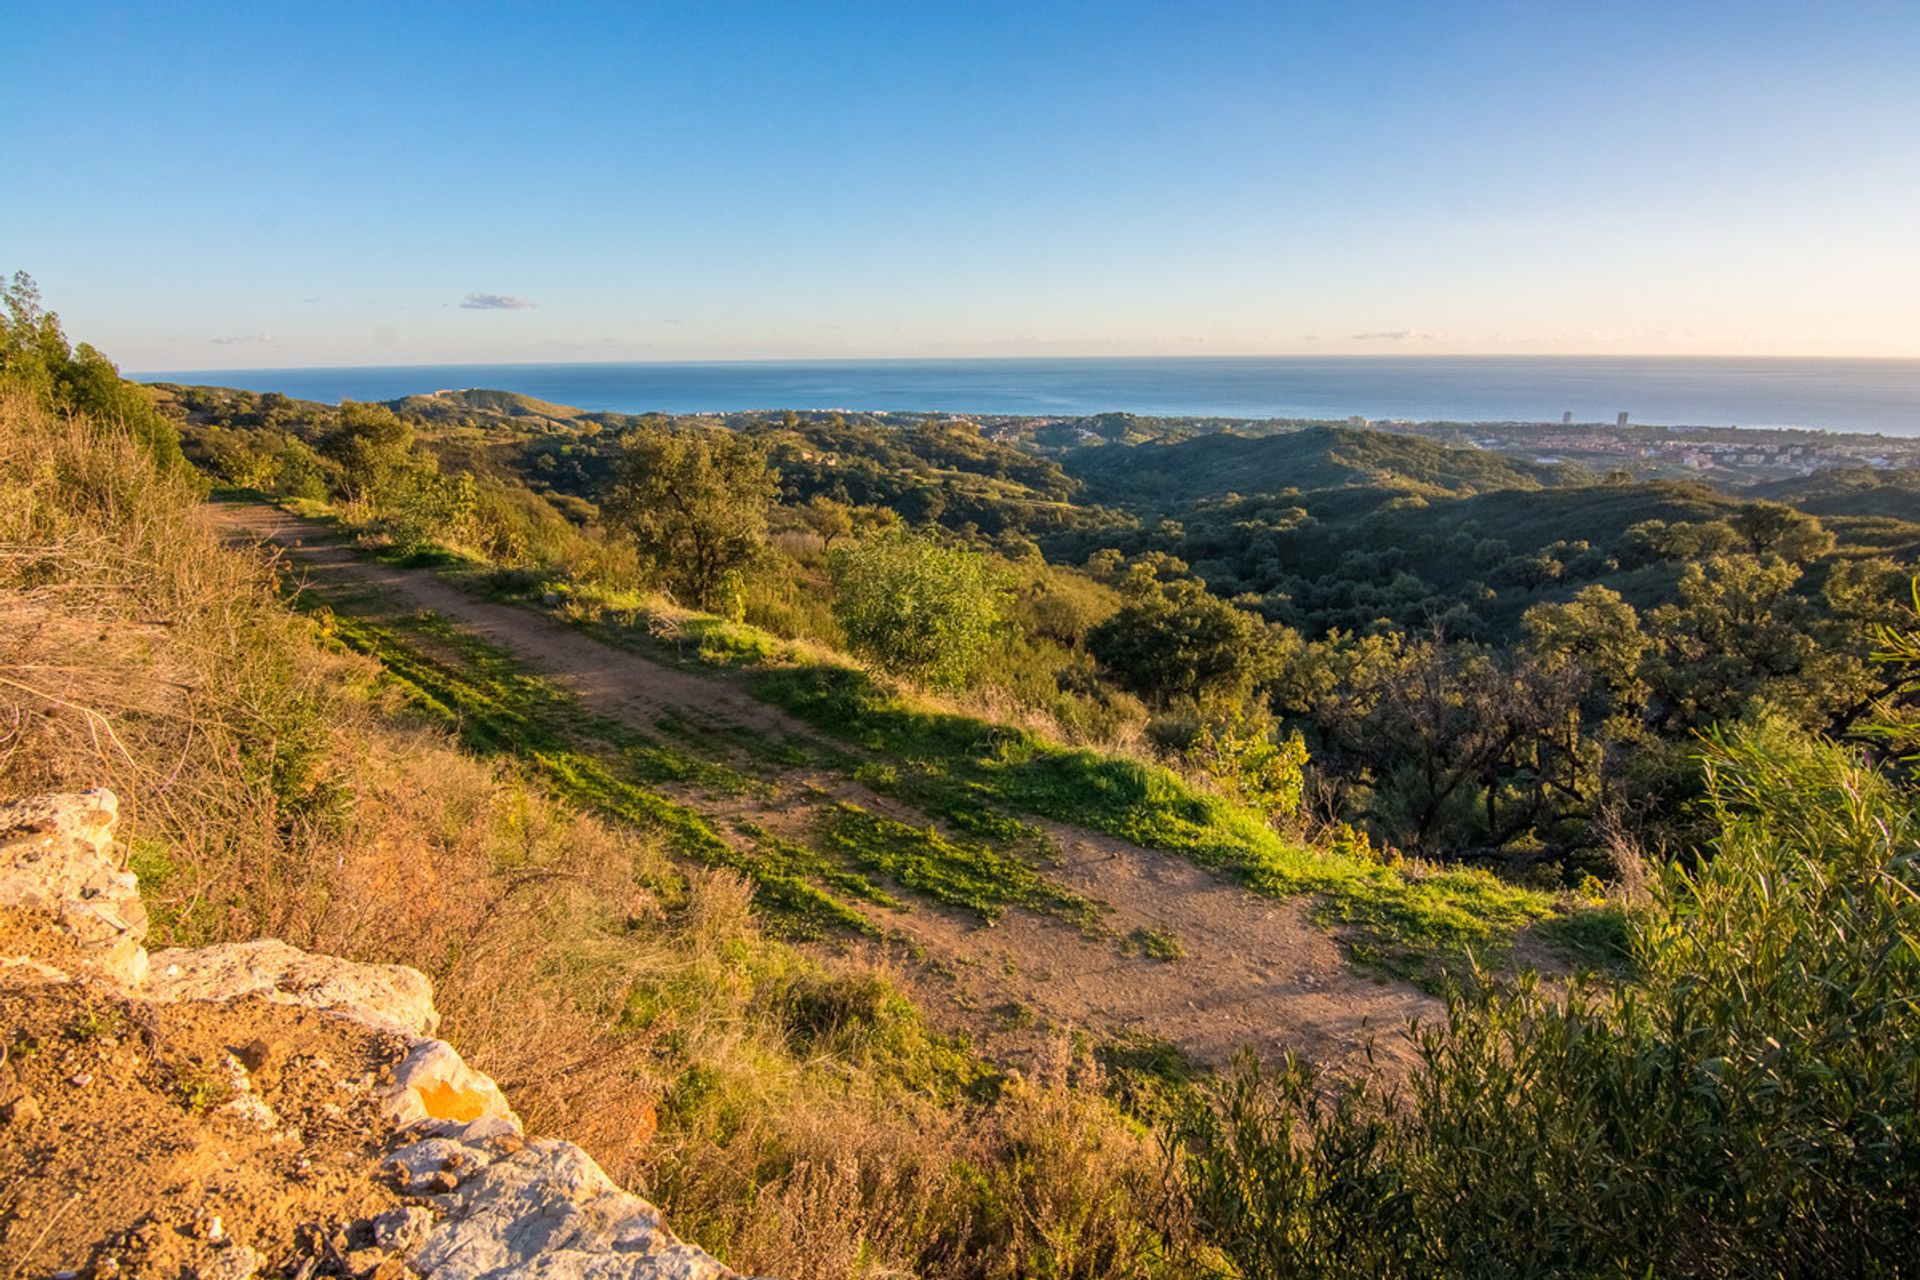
{"x": 795, "y": 1118}
{"x": 1485, "y": 661}
{"x": 712, "y": 947}
{"x": 1211, "y": 466}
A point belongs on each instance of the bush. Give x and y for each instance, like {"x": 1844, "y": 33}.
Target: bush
{"x": 1245, "y": 761}
{"x": 915, "y": 607}
{"x": 1748, "y": 1110}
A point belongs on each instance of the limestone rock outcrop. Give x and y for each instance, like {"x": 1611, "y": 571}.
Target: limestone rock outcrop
{"x": 483, "y": 1202}
{"x": 56, "y": 861}
{"x": 390, "y": 997}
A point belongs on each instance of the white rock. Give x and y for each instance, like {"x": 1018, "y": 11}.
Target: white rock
{"x": 549, "y": 1212}
{"x": 390, "y": 997}
{"x": 432, "y": 1083}
{"x": 56, "y": 858}
{"x": 402, "y": 1229}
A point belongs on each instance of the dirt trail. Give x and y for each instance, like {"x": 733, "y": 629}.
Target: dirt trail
{"x": 1254, "y": 971}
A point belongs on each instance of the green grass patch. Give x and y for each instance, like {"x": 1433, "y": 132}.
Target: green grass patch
{"x": 1155, "y": 944}
{"x": 1414, "y": 925}
{"x": 818, "y": 866}
{"x": 963, "y": 874}
{"x": 497, "y": 709}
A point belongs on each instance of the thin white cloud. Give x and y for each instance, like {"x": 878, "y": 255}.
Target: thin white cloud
{"x": 495, "y": 302}
{"x": 240, "y": 338}
{"x": 1394, "y": 335}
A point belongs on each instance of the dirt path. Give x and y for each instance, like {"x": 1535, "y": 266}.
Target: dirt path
{"x": 1254, "y": 971}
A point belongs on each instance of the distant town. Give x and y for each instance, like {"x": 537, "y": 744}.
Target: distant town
{"x": 1735, "y": 455}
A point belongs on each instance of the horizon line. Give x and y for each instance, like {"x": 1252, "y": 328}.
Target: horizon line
{"x": 159, "y": 375}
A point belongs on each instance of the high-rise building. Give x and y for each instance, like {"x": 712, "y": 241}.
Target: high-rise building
{"x": 1566, "y": 419}
{"x": 1623, "y": 418}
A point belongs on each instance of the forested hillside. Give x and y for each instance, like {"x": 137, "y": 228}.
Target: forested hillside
{"x": 1214, "y": 465}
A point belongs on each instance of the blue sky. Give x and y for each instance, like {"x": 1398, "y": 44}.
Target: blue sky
{"x": 225, "y": 186}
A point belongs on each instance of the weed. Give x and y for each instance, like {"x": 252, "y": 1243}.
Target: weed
{"x": 202, "y": 1086}
{"x": 1155, "y": 944}
{"x": 97, "y": 1023}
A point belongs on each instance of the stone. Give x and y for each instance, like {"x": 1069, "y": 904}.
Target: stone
{"x": 549, "y": 1211}
{"x": 399, "y": 1230}
{"x": 239, "y": 1262}
{"x": 433, "y": 1083}
{"x": 364, "y": 1262}
{"x": 390, "y": 997}
{"x": 257, "y": 1055}
{"x": 56, "y": 859}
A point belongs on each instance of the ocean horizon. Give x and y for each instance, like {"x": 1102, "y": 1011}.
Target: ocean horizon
{"x": 1833, "y": 394}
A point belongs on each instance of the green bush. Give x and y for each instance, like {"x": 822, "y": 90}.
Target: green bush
{"x": 916, "y": 607}
{"x": 1747, "y": 1110}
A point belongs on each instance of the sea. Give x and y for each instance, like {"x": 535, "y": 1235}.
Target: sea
{"x": 1855, "y": 395}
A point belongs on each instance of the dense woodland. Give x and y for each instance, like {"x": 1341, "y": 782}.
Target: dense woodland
{"x": 1693, "y": 705}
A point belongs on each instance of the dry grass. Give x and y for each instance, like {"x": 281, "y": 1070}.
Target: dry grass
{"x": 624, "y": 1000}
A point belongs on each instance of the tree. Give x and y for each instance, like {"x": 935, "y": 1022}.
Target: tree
{"x": 1177, "y": 640}
{"x": 915, "y": 606}
{"x": 1601, "y": 632}
{"x": 372, "y": 446}
{"x": 1772, "y": 528}
{"x": 1737, "y": 632}
{"x": 828, "y": 519}
{"x": 695, "y": 503}
{"x": 35, "y": 356}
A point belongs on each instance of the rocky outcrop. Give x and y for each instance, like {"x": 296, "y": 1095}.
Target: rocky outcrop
{"x": 482, "y": 1202}
{"x": 390, "y": 997}
{"x": 536, "y": 1209}
{"x": 56, "y": 862}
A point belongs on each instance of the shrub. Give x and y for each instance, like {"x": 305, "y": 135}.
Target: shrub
{"x": 915, "y": 607}
{"x": 1244, "y": 760}
{"x": 1746, "y": 1111}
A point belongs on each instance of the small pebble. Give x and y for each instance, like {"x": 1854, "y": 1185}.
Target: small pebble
{"x": 255, "y": 1054}
{"x": 237, "y": 1263}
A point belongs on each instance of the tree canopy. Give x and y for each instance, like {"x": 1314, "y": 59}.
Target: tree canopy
{"x": 695, "y": 503}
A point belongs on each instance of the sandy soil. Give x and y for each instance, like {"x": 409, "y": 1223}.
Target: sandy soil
{"x": 119, "y": 1153}
{"x": 1255, "y": 972}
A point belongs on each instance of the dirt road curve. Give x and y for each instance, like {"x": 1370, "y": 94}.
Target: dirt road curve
{"x": 1255, "y": 971}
